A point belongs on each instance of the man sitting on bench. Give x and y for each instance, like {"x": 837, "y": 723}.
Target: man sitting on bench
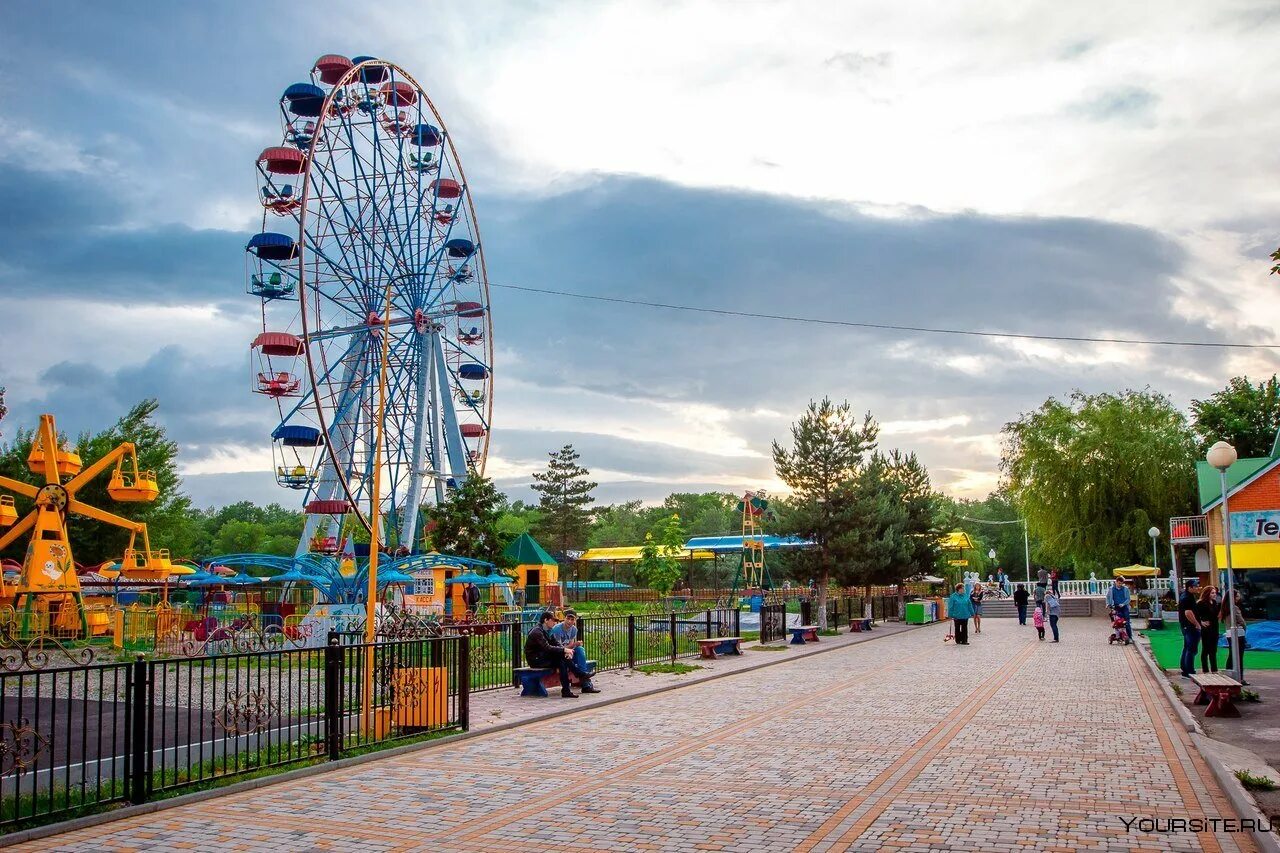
{"x": 566, "y": 634}
{"x": 543, "y": 651}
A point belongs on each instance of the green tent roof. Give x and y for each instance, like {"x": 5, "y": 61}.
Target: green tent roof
{"x": 526, "y": 551}
{"x": 1211, "y": 486}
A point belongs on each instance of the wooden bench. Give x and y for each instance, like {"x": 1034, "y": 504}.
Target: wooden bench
{"x": 1219, "y": 693}
{"x": 859, "y": 625}
{"x": 802, "y": 634}
{"x": 713, "y": 647}
{"x": 535, "y": 680}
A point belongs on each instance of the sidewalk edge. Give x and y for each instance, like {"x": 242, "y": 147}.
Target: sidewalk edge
{"x": 1241, "y": 800}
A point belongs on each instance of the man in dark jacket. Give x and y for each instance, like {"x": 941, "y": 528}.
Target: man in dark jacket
{"x": 543, "y": 651}
{"x": 1020, "y": 596}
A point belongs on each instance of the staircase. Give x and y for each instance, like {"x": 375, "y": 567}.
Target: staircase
{"x": 1004, "y": 608}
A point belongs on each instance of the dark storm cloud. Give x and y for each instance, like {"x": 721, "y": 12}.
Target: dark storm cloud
{"x": 203, "y": 406}
{"x": 647, "y": 240}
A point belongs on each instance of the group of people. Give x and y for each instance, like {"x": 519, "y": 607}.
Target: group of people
{"x": 1201, "y": 614}
{"x": 967, "y": 600}
{"x": 554, "y": 644}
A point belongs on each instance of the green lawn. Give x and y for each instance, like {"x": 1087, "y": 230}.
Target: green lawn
{"x": 1167, "y": 645}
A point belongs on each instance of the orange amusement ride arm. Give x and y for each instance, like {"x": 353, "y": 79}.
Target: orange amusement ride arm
{"x": 101, "y": 465}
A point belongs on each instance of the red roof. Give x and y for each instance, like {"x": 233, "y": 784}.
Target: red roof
{"x": 278, "y": 343}
{"x": 446, "y": 188}
{"x": 399, "y": 94}
{"x": 283, "y": 161}
{"x": 331, "y": 67}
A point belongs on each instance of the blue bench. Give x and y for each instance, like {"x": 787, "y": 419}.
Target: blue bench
{"x": 713, "y": 647}
{"x": 535, "y": 680}
{"x": 802, "y": 634}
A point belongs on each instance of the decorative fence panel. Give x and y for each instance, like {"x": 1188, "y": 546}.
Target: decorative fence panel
{"x": 773, "y": 622}
{"x": 78, "y": 737}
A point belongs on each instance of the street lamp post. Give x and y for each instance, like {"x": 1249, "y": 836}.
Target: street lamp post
{"x": 1154, "y": 533}
{"x": 1222, "y": 456}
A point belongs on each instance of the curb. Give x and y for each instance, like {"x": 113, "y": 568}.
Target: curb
{"x": 124, "y": 812}
{"x": 1241, "y": 800}
{"x": 1188, "y": 720}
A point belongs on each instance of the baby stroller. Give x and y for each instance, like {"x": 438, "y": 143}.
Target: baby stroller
{"x": 1119, "y": 631}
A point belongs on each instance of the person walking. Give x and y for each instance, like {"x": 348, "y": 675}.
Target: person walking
{"x": 1189, "y": 622}
{"x": 1118, "y": 598}
{"x": 1207, "y": 608}
{"x": 1020, "y": 596}
{"x": 1039, "y": 593}
{"x": 1235, "y": 632}
{"x": 975, "y": 598}
{"x": 1052, "y": 605}
{"x": 960, "y": 608}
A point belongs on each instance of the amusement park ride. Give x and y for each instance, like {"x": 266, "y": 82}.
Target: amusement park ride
{"x": 372, "y": 285}
{"x": 47, "y": 596}
{"x": 753, "y": 572}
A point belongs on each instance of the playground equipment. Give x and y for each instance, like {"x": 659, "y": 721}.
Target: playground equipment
{"x": 47, "y": 595}
{"x": 753, "y": 571}
{"x": 368, "y": 230}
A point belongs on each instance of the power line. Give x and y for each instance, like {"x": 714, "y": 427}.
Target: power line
{"x": 933, "y": 330}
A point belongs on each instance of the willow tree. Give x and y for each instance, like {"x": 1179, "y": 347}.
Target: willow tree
{"x": 1092, "y": 474}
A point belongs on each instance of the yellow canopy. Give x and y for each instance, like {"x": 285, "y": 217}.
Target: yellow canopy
{"x": 631, "y": 553}
{"x": 1249, "y": 555}
{"x": 1136, "y": 571}
{"x": 956, "y": 540}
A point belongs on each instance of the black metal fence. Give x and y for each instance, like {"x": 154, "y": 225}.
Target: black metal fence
{"x": 773, "y": 622}
{"x": 71, "y": 738}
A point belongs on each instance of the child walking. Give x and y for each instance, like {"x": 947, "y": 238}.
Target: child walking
{"x": 1037, "y": 619}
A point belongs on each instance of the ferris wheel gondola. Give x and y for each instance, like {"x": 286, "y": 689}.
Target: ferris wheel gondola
{"x": 365, "y": 205}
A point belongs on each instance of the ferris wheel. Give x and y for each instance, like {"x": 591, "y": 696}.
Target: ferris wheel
{"x": 365, "y": 206}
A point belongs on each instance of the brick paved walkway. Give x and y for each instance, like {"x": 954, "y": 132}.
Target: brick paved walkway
{"x": 901, "y": 743}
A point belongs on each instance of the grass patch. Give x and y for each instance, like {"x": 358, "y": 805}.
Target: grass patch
{"x": 781, "y": 648}
{"x": 1167, "y": 646}
{"x": 828, "y": 632}
{"x": 1250, "y": 696}
{"x": 667, "y": 668}
{"x": 1177, "y": 688}
{"x": 1255, "y": 783}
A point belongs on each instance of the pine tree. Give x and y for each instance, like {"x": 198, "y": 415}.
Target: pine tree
{"x": 466, "y": 525}
{"x": 822, "y": 470}
{"x": 564, "y": 501}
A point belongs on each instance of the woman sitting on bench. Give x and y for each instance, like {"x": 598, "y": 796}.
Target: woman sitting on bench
{"x": 542, "y": 650}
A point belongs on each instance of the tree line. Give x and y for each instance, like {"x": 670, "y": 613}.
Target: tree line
{"x": 1089, "y": 474}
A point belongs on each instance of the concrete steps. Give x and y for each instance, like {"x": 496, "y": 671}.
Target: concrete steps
{"x": 1004, "y": 608}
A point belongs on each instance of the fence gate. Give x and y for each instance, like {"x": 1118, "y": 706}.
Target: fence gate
{"x": 773, "y": 622}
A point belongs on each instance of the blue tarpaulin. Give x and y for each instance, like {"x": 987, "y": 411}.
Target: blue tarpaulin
{"x": 725, "y": 544}
{"x": 1261, "y": 636}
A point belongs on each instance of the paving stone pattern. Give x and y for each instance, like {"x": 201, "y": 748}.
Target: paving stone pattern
{"x": 903, "y": 743}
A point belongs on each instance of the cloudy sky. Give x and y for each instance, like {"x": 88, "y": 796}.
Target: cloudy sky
{"x": 1094, "y": 169}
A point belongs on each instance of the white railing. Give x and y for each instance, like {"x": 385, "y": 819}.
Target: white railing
{"x": 1089, "y": 588}
{"x": 1188, "y": 528}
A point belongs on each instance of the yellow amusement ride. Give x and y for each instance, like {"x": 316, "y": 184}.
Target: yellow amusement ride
{"x": 47, "y": 598}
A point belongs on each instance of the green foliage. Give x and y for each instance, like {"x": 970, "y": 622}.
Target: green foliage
{"x": 1005, "y": 539}
{"x": 516, "y": 518}
{"x": 822, "y": 469}
{"x": 1254, "y": 782}
{"x": 660, "y": 566}
{"x": 466, "y": 524}
{"x": 1092, "y": 474}
{"x": 564, "y": 501}
{"x": 170, "y": 520}
{"x": 1244, "y": 414}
